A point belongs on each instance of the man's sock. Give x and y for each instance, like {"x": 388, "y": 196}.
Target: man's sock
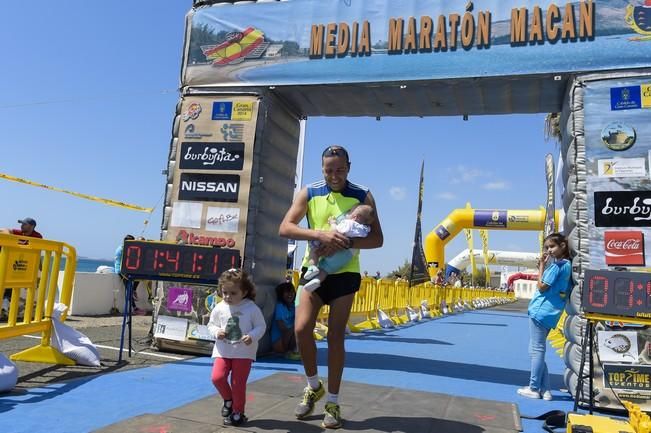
{"x": 313, "y": 381}
{"x": 333, "y": 398}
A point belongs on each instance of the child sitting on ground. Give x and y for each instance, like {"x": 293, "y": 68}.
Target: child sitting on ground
{"x": 353, "y": 224}
{"x": 283, "y": 339}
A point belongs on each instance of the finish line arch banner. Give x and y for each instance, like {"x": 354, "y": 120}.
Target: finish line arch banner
{"x": 353, "y": 41}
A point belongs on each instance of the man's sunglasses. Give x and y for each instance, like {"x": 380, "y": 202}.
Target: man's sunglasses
{"x": 335, "y": 151}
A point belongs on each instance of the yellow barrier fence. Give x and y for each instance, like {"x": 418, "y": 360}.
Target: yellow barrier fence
{"x": 394, "y": 297}
{"x": 31, "y": 265}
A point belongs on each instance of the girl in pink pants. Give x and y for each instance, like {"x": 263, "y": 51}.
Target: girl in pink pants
{"x": 237, "y": 324}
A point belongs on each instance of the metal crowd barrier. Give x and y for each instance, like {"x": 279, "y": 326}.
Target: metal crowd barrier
{"x": 31, "y": 266}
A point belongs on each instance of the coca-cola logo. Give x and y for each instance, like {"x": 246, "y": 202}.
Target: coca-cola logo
{"x": 628, "y": 244}
{"x": 624, "y": 248}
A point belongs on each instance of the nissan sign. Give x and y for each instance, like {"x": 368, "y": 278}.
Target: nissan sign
{"x": 209, "y": 187}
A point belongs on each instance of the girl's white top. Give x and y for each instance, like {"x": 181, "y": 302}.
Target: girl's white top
{"x": 238, "y": 320}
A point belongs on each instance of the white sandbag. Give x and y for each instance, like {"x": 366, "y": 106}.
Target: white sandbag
{"x": 384, "y": 319}
{"x": 102, "y": 269}
{"x": 8, "y": 374}
{"x": 424, "y": 310}
{"x": 71, "y": 342}
{"x": 412, "y": 314}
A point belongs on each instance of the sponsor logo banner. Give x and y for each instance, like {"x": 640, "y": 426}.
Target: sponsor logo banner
{"x": 622, "y": 208}
{"x": 193, "y": 112}
{"x": 222, "y": 219}
{"x": 187, "y": 237}
{"x": 22, "y": 267}
{"x": 622, "y": 167}
{"x": 209, "y": 187}
{"x": 646, "y": 95}
{"x": 186, "y": 214}
{"x": 518, "y": 218}
{"x": 179, "y": 299}
{"x": 617, "y": 346}
{"x": 624, "y": 248}
{"x": 625, "y": 98}
{"x": 232, "y": 131}
{"x": 221, "y": 110}
{"x": 490, "y": 218}
{"x": 442, "y": 232}
{"x": 629, "y": 377}
{"x": 191, "y": 132}
{"x": 242, "y": 110}
{"x": 212, "y": 156}
{"x": 170, "y": 328}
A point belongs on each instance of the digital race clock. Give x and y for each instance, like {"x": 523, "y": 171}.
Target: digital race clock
{"x": 614, "y": 293}
{"x": 165, "y": 261}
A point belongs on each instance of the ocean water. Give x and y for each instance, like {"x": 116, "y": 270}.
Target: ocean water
{"x": 602, "y": 53}
{"x": 89, "y": 265}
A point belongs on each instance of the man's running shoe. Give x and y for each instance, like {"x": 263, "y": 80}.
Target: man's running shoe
{"x": 332, "y": 416}
{"x": 310, "y": 397}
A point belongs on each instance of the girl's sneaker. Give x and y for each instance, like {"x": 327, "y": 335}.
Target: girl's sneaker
{"x": 227, "y": 410}
{"x": 528, "y": 392}
{"x": 236, "y": 419}
{"x": 547, "y": 396}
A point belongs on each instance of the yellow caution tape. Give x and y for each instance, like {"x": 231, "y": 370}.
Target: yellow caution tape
{"x": 78, "y": 194}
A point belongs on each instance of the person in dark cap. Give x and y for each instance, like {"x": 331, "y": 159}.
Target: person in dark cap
{"x": 27, "y": 226}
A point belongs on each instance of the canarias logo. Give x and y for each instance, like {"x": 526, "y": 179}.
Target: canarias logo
{"x": 639, "y": 19}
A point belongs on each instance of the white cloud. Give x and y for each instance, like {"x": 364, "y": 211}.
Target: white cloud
{"x": 397, "y": 192}
{"x": 495, "y": 185}
{"x": 463, "y": 174}
{"x": 446, "y": 196}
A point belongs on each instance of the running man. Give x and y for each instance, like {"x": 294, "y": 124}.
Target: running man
{"x": 318, "y": 202}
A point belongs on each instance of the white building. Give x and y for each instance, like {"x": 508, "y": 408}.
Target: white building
{"x": 273, "y": 50}
{"x": 524, "y": 289}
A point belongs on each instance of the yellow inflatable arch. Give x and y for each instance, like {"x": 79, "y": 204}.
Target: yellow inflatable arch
{"x": 468, "y": 218}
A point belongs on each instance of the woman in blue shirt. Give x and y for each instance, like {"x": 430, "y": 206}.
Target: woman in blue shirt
{"x": 545, "y": 309}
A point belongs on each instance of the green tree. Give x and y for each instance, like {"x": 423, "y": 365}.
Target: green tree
{"x": 402, "y": 270}
{"x": 478, "y": 281}
{"x": 290, "y": 48}
{"x": 200, "y": 35}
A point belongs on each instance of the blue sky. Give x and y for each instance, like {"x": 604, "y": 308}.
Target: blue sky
{"x": 88, "y": 93}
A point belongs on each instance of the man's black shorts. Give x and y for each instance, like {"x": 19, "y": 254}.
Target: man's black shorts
{"x": 337, "y": 285}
